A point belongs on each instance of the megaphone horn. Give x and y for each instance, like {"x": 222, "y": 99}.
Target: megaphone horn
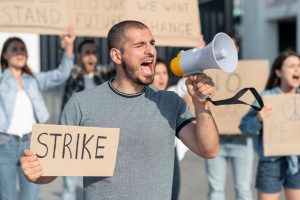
{"x": 220, "y": 53}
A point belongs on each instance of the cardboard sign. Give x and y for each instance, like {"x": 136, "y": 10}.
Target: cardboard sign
{"x": 75, "y": 150}
{"x": 249, "y": 73}
{"x": 281, "y": 134}
{"x": 172, "y": 22}
{"x": 96, "y": 17}
{"x": 34, "y": 16}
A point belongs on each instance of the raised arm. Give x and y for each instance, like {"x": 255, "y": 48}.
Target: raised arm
{"x": 67, "y": 41}
{"x": 32, "y": 169}
{"x": 56, "y": 77}
{"x": 201, "y": 136}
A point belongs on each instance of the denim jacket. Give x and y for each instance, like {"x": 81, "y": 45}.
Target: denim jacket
{"x": 33, "y": 86}
{"x": 251, "y": 126}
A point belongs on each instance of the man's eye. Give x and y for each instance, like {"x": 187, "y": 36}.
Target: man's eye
{"x": 139, "y": 45}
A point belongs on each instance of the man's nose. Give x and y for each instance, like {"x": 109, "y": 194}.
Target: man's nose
{"x": 150, "y": 49}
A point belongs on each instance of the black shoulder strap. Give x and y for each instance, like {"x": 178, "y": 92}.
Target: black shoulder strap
{"x": 239, "y": 94}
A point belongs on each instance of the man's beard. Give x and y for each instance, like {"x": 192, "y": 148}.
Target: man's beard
{"x": 131, "y": 74}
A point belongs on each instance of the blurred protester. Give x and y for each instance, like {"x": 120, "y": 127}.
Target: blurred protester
{"x": 238, "y": 151}
{"x": 86, "y": 74}
{"x": 180, "y": 149}
{"x": 21, "y": 105}
{"x": 161, "y": 82}
{"x": 276, "y": 172}
{"x": 181, "y": 89}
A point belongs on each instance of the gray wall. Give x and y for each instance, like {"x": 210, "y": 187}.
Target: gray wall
{"x": 260, "y": 26}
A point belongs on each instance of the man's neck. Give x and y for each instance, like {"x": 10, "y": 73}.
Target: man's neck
{"x": 126, "y": 86}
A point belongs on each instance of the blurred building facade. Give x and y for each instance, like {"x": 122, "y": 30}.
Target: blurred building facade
{"x": 217, "y": 16}
{"x": 264, "y": 28}
{"x": 269, "y": 27}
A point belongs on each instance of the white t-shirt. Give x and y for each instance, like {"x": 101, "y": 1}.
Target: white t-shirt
{"x": 179, "y": 88}
{"x": 89, "y": 81}
{"x": 23, "y": 115}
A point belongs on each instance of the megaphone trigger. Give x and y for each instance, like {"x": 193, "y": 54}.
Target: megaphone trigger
{"x": 205, "y": 98}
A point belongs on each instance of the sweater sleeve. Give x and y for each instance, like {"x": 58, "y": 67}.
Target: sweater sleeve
{"x": 56, "y": 77}
{"x": 249, "y": 124}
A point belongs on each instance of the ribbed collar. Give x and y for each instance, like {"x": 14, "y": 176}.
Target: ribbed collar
{"x": 124, "y": 94}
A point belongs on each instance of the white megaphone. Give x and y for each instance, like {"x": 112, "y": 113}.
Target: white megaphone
{"x": 220, "y": 53}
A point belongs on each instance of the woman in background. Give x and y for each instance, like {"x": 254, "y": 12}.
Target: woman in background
{"x": 86, "y": 74}
{"x": 161, "y": 77}
{"x": 275, "y": 173}
{"x": 236, "y": 150}
{"x": 21, "y": 105}
{"x": 161, "y": 82}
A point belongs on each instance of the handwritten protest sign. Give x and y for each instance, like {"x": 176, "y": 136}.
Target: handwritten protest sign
{"x": 96, "y": 17}
{"x": 34, "y": 16}
{"x": 75, "y": 150}
{"x": 249, "y": 73}
{"x": 281, "y": 134}
{"x": 172, "y": 22}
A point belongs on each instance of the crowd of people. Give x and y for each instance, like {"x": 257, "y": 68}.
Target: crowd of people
{"x": 158, "y": 122}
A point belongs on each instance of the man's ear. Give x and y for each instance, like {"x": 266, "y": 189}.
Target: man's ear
{"x": 116, "y": 55}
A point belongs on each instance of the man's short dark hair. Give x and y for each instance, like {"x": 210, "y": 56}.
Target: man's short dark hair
{"x": 84, "y": 42}
{"x": 116, "y": 34}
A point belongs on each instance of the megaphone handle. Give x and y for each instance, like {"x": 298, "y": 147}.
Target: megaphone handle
{"x": 194, "y": 73}
{"x": 235, "y": 99}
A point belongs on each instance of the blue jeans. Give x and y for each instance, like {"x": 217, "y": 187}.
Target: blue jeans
{"x": 240, "y": 154}
{"x": 272, "y": 176}
{"x": 70, "y": 185}
{"x": 11, "y": 149}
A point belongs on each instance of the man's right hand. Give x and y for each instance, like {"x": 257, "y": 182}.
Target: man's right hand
{"x": 31, "y": 167}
